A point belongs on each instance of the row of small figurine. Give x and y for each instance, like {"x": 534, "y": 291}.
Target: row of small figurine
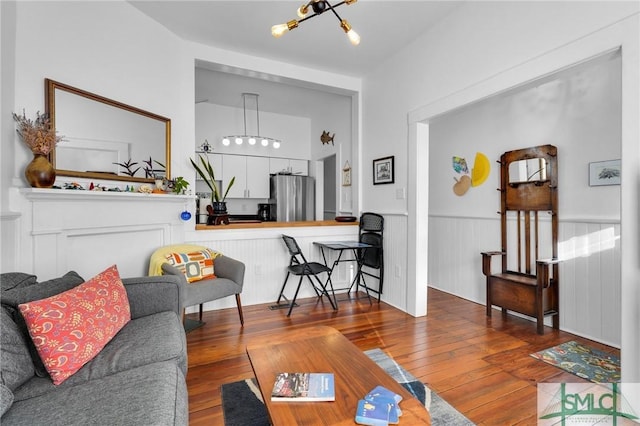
{"x": 144, "y": 188}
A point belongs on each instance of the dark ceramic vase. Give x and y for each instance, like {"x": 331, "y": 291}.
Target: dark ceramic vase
{"x": 219, "y": 207}
{"x": 40, "y": 172}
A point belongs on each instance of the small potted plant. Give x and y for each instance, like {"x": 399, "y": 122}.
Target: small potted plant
{"x": 179, "y": 185}
{"x": 205, "y": 170}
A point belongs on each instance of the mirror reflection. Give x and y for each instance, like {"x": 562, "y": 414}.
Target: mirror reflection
{"x": 102, "y": 137}
{"x": 530, "y": 170}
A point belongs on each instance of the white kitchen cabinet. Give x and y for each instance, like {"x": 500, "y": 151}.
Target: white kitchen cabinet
{"x": 299, "y": 167}
{"x": 214, "y": 159}
{"x": 251, "y": 173}
{"x": 289, "y": 165}
{"x": 277, "y": 165}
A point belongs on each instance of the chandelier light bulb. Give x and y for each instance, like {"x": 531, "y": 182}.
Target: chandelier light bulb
{"x": 276, "y": 144}
{"x": 303, "y": 10}
{"x": 226, "y": 142}
{"x": 238, "y": 141}
{"x": 278, "y": 30}
{"x": 354, "y": 38}
{"x": 264, "y": 142}
{"x": 252, "y": 140}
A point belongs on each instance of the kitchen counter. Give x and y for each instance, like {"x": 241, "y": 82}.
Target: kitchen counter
{"x": 258, "y": 225}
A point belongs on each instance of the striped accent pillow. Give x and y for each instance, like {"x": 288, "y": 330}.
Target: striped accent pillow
{"x": 196, "y": 265}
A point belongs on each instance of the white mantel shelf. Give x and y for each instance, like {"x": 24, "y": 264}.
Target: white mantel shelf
{"x": 74, "y": 194}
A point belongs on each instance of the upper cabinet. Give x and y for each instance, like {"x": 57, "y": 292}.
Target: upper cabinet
{"x": 288, "y": 165}
{"x": 251, "y": 173}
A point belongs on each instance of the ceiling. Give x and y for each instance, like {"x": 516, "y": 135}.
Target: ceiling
{"x": 318, "y": 43}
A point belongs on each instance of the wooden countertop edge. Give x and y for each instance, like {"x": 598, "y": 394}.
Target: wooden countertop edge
{"x": 260, "y": 225}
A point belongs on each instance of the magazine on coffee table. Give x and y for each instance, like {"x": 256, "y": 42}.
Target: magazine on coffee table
{"x": 303, "y": 387}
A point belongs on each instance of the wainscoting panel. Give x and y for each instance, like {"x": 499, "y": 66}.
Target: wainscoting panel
{"x": 87, "y": 231}
{"x": 266, "y": 258}
{"x": 10, "y": 241}
{"x": 590, "y": 279}
{"x": 395, "y": 260}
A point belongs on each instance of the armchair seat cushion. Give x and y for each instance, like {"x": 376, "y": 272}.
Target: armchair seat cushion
{"x": 205, "y": 290}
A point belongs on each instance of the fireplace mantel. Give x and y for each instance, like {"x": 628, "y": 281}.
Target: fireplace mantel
{"x": 72, "y": 195}
{"x": 88, "y": 231}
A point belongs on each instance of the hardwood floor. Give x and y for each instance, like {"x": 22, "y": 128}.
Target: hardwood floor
{"x": 481, "y": 366}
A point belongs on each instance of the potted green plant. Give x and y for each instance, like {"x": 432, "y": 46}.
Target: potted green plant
{"x": 205, "y": 170}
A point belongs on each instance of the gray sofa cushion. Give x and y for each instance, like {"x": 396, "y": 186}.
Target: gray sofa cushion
{"x": 154, "y": 394}
{"x": 6, "y": 399}
{"x": 16, "y": 362}
{"x": 11, "y": 280}
{"x": 12, "y": 298}
{"x": 146, "y": 340}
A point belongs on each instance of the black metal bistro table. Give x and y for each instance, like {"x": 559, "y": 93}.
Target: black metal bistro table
{"x": 357, "y": 248}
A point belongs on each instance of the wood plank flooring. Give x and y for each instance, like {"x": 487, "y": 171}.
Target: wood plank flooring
{"x": 481, "y": 366}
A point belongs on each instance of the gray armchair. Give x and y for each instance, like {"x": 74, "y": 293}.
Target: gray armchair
{"x": 229, "y": 281}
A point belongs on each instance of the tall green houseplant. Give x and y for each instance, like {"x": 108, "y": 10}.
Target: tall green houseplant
{"x": 205, "y": 170}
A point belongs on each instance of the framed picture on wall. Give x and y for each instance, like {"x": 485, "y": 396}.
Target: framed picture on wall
{"x": 383, "y": 170}
{"x": 605, "y": 173}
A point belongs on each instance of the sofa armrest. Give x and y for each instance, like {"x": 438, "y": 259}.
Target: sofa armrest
{"x": 150, "y": 295}
{"x": 227, "y": 267}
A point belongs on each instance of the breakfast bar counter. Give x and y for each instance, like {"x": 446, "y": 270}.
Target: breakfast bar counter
{"x": 271, "y": 224}
{"x": 260, "y": 247}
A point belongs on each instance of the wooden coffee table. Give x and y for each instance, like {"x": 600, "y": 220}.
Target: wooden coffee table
{"x": 323, "y": 350}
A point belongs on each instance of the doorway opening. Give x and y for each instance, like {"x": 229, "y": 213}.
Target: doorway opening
{"x": 329, "y": 188}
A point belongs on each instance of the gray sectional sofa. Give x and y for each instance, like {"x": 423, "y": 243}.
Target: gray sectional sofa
{"x": 137, "y": 379}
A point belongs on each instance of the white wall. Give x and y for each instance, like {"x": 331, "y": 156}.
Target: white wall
{"x": 579, "y": 111}
{"x": 479, "y": 50}
{"x": 124, "y": 56}
{"x": 127, "y": 57}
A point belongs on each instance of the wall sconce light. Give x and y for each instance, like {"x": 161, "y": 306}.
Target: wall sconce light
{"x": 318, "y": 7}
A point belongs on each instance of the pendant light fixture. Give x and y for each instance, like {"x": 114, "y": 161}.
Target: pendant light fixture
{"x": 251, "y": 139}
{"x": 318, "y": 7}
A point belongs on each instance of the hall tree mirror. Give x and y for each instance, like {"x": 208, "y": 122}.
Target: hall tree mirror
{"x": 100, "y": 133}
{"x": 530, "y": 170}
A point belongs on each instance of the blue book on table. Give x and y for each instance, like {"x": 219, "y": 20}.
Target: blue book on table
{"x": 373, "y": 413}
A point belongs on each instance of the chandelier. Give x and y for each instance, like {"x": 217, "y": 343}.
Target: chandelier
{"x": 250, "y": 139}
{"x": 318, "y": 7}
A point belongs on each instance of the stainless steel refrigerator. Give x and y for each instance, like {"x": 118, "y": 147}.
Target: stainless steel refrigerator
{"x": 293, "y": 198}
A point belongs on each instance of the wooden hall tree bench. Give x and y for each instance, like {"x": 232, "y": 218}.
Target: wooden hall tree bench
{"x": 526, "y": 283}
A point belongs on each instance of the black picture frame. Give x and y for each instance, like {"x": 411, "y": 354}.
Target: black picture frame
{"x": 383, "y": 170}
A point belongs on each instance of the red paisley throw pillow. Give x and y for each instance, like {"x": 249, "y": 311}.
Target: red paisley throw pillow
{"x": 71, "y": 328}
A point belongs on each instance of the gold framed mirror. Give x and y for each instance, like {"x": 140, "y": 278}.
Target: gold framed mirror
{"x": 101, "y": 136}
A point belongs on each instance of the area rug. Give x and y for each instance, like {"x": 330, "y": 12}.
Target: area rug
{"x": 190, "y": 325}
{"x": 242, "y": 403}
{"x": 583, "y": 361}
